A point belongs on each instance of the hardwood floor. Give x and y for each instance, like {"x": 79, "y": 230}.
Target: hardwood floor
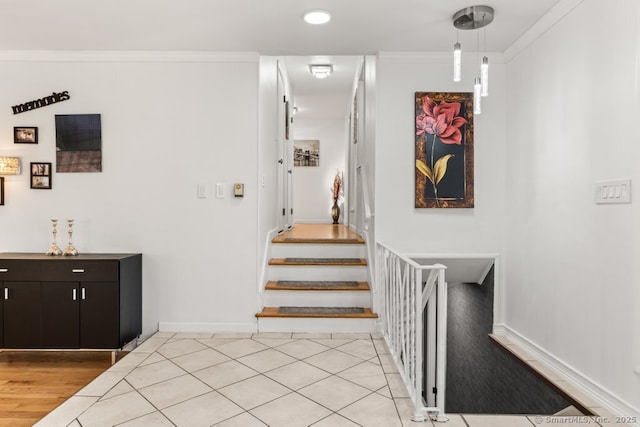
{"x": 319, "y": 233}
{"x": 33, "y": 383}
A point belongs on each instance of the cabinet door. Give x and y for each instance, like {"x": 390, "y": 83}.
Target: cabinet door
{"x": 60, "y": 315}
{"x": 99, "y": 315}
{"x": 1, "y": 315}
{"x": 22, "y": 315}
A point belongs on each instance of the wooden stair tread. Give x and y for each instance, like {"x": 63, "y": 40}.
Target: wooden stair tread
{"x": 320, "y": 234}
{"x": 318, "y": 240}
{"x": 294, "y": 285}
{"x": 317, "y": 312}
{"x": 319, "y": 261}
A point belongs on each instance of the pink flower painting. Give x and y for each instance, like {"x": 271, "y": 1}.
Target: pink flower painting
{"x": 440, "y": 123}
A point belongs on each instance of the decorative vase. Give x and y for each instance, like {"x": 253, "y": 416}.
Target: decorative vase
{"x": 54, "y": 249}
{"x": 335, "y": 212}
{"x": 70, "y": 249}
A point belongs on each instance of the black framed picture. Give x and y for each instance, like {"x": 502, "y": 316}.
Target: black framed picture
{"x": 25, "y": 135}
{"x": 41, "y": 175}
{"x": 78, "y": 143}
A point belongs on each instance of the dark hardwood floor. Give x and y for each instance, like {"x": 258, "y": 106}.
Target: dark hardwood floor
{"x": 33, "y": 383}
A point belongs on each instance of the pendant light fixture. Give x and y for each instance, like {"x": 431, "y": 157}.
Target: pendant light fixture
{"x": 477, "y": 96}
{"x": 473, "y": 18}
{"x": 484, "y": 67}
{"x": 457, "y": 61}
{"x": 484, "y": 75}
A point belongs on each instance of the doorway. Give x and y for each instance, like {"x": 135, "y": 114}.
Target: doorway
{"x": 321, "y": 127}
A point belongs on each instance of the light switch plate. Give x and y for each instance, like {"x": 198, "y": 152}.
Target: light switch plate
{"x": 220, "y": 191}
{"x": 613, "y": 191}
{"x": 202, "y": 191}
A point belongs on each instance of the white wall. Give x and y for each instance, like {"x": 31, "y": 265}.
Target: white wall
{"x": 169, "y": 122}
{"x": 572, "y": 270}
{"x": 312, "y": 196}
{"x": 267, "y": 154}
{"x": 435, "y": 231}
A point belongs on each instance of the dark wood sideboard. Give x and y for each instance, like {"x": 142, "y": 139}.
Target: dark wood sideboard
{"x": 88, "y": 301}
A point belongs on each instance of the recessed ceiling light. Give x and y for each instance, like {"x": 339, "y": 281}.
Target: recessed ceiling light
{"x": 317, "y": 17}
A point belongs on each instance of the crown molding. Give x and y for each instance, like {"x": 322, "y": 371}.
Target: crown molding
{"x": 125, "y": 56}
{"x": 548, "y": 21}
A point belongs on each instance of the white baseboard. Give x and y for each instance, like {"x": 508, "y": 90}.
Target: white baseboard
{"x": 595, "y": 391}
{"x": 207, "y": 327}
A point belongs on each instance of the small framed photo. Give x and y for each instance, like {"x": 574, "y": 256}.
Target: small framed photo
{"x": 41, "y": 176}
{"x": 25, "y": 135}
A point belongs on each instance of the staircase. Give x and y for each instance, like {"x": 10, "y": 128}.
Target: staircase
{"x": 317, "y": 282}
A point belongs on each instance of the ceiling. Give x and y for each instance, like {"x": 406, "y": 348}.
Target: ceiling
{"x": 269, "y": 27}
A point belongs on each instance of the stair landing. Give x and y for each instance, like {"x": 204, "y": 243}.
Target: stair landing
{"x": 319, "y": 233}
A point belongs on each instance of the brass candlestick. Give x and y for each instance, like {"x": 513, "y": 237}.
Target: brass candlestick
{"x": 54, "y": 249}
{"x": 70, "y": 250}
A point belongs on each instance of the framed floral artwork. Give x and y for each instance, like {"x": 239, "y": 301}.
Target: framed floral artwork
{"x": 444, "y": 150}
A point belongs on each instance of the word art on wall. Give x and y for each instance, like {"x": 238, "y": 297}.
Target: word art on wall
{"x": 42, "y": 102}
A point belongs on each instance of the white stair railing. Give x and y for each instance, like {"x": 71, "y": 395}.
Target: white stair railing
{"x": 413, "y": 295}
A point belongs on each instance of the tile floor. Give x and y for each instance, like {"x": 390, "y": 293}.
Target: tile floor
{"x": 247, "y": 380}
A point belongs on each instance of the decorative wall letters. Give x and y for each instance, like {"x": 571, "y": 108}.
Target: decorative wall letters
{"x": 42, "y": 102}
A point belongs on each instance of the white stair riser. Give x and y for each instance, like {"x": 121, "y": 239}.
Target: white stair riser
{"x": 313, "y": 272}
{"x": 337, "y": 325}
{"x": 283, "y": 250}
{"x": 317, "y": 298}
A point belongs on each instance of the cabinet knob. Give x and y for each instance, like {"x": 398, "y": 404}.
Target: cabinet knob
{"x": 4, "y": 270}
{"x": 74, "y": 294}
{"x": 77, "y": 270}
{"x": 83, "y": 294}
{"x": 6, "y": 293}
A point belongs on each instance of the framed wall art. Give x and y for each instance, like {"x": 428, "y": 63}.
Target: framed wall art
{"x": 306, "y": 152}
{"x": 78, "y": 143}
{"x": 25, "y": 135}
{"x": 444, "y": 150}
{"x": 41, "y": 176}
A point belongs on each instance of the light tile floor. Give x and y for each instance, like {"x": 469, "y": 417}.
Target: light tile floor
{"x": 246, "y": 380}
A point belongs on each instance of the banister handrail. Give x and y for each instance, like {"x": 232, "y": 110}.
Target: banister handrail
{"x": 414, "y": 295}
{"x": 366, "y": 200}
{"x": 410, "y": 261}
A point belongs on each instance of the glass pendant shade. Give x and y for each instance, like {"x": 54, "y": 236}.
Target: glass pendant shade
{"x": 457, "y": 62}
{"x": 484, "y": 76}
{"x": 477, "y": 97}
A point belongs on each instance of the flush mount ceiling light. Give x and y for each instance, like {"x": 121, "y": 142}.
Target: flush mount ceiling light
{"x": 321, "y": 71}
{"x": 473, "y": 18}
{"x": 317, "y": 17}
